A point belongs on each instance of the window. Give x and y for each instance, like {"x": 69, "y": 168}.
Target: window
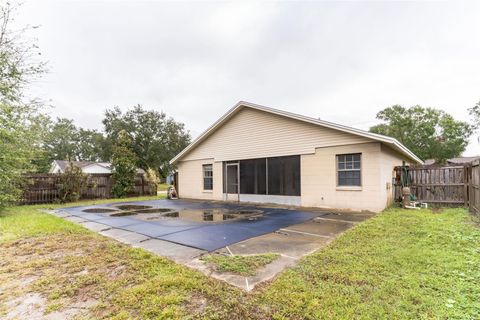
{"x": 349, "y": 172}
{"x": 207, "y": 177}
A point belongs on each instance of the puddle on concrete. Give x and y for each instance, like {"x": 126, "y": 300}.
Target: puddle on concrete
{"x": 202, "y": 215}
{"x": 248, "y": 212}
{"x": 255, "y": 217}
{"x": 99, "y": 210}
{"x": 212, "y": 215}
{"x": 149, "y": 213}
{"x": 132, "y": 207}
{"x": 155, "y": 216}
{"x": 171, "y": 214}
{"x": 123, "y": 214}
{"x": 137, "y": 212}
{"x": 154, "y": 210}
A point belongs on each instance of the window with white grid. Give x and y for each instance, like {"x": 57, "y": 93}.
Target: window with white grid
{"x": 349, "y": 170}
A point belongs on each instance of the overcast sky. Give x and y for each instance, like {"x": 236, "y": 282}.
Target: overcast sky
{"x": 339, "y": 61}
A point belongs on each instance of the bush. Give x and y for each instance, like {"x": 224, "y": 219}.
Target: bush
{"x": 152, "y": 177}
{"x": 71, "y": 183}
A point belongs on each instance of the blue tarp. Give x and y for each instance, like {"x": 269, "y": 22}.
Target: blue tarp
{"x": 208, "y": 236}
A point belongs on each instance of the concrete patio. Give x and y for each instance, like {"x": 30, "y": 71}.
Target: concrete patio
{"x": 291, "y": 241}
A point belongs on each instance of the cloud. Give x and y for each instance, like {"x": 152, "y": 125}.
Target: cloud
{"x": 341, "y": 61}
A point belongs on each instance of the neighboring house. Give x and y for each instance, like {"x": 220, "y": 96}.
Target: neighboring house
{"x": 455, "y": 161}
{"x": 259, "y": 154}
{"x": 59, "y": 166}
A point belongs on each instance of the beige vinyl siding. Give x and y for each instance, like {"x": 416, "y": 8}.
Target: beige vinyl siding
{"x": 190, "y": 180}
{"x": 255, "y": 134}
{"x": 319, "y": 179}
{"x": 389, "y": 159}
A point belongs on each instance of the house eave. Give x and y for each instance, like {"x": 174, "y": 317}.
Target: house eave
{"x": 377, "y": 137}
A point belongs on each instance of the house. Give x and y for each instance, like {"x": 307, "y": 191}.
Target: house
{"x": 59, "y": 166}
{"x": 260, "y": 154}
{"x": 455, "y": 161}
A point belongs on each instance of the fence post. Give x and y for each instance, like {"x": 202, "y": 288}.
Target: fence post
{"x": 471, "y": 190}
{"x": 474, "y": 187}
{"x": 465, "y": 185}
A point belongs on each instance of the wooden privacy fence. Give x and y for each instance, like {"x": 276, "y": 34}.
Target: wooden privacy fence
{"x": 44, "y": 188}
{"x": 451, "y": 185}
{"x": 474, "y": 191}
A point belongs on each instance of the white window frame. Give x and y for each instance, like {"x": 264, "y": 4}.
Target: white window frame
{"x": 204, "y": 176}
{"x": 337, "y": 161}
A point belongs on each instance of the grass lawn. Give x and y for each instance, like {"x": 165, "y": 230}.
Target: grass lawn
{"x": 242, "y": 265}
{"x": 163, "y": 187}
{"x": 398, "y": 265}
{"x": 28, "y": 221}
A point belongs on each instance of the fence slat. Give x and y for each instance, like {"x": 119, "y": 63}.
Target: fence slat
{"x": 474, "y": 188}
{"x": 44, "y": 188}
{"x": 437, "y": 185}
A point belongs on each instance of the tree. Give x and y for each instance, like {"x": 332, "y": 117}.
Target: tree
{"x": 155, "y": 138}
{"x": 19, "y": 63}
{"x": 65, "y": 141}
{"x": 427, "y": 132}
{"x": 62, "y": 140}
{"x": 91, "y": 146}
{"x": 475, "y": 114}
{"x": 123, "y": 166}
{"x": 21, "y": 120}
{"x": 18, "y": 131}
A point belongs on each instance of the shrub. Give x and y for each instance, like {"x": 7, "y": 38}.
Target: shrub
{"x": 152, "y": 177}
{"x": 71, "y": 183}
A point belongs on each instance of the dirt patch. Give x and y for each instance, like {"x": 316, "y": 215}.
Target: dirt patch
{"x": 116, "y": 271}
{"x": 35, "y": 306}
{"x": 51, "y": 277}
{"x": 66, "y": 276}
{"x": 437, "y": 210}
{"x": 29, "y": 306}
{"x": 197, "y": 303}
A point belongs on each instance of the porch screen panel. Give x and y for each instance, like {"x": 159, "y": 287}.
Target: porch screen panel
{"x": 284, "y": 176}
{"x": 232, "y": 179}
{"x": 253, "y": 176}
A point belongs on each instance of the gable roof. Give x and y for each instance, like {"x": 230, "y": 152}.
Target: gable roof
{"x": 458, "y": 160}
{"x": 63, "y": 164}
{"x": 392, "y": 142}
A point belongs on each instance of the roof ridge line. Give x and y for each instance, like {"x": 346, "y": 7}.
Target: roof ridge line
{"x": 299, "y": 117}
